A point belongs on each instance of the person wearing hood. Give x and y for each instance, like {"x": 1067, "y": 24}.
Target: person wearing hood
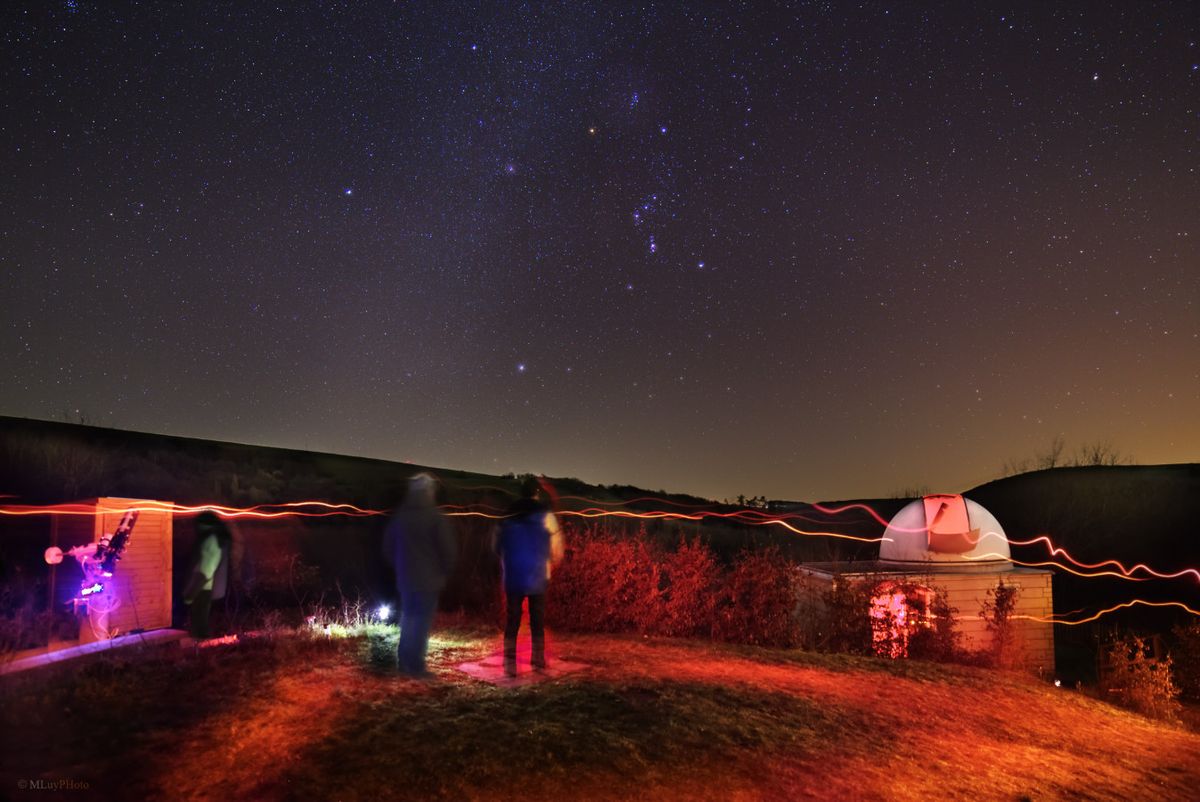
{"x": 419, "y": 545}
{"x": 210, "y": 571}
{"x": 529, "y": 542}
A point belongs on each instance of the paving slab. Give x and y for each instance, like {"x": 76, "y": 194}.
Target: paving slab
{"x": 491, "y": 670}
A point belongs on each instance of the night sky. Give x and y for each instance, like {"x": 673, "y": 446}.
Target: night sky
{"x": 834, "y": 251}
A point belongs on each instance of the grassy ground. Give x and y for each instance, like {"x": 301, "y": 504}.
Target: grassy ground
{"x": 294, "y": 718}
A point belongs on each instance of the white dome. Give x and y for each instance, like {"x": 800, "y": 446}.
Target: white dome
{"x": 962, "y": 532}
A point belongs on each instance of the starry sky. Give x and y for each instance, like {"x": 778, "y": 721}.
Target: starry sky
{"x": 822, "y": 251}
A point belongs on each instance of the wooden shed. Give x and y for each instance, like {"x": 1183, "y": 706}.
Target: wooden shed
{"x": 137, "y": 596}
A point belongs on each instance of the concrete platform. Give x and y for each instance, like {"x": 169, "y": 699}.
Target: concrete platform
{"x": 36, "y": 658}
{"x": 491, "y": 670}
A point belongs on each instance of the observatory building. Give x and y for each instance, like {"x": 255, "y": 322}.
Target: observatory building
{"x": 950, "y": 546}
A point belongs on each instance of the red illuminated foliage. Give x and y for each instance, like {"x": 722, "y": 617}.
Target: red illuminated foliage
{"x": 612, "y": 584}
{"x": 692, "y": 580}
{"x": 604, "y": 584}
{"x": 1136, "y": 679}
{"x": 758, "y": 601}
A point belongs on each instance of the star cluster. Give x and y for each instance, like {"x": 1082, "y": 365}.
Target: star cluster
{"x": 819, "y": 251}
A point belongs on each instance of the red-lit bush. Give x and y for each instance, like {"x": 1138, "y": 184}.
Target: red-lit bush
{"x": 758, "y": 601}
{"x": 608, "y": 583}
{"x": 604, "y": 583}
{"x": 1133, "y": 678}
{"x": 690, "y": 583}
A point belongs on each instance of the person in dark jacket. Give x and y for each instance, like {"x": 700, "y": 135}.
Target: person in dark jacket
{"x": 419, "y": 544}
{"x": 210, "y": 571}
{"x": 528, "y": 542}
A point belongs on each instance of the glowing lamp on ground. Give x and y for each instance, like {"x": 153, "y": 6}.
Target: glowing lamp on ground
{"x": 384, "y": 612}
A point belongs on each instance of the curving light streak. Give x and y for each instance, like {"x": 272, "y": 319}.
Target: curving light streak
{"x": 1058, "y": 551}
{"x": 656, "y": 515}
{"x": 305, "y": 509}
{"x": 995, "y": 556}
{"x": 1132, "y": 603}
{"x": 746, "y": 516}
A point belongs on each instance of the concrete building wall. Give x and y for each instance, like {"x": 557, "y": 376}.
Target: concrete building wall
{"x": 967, "y": 591}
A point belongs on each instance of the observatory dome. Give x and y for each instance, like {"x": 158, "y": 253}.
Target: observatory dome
{"x": 945, "y": 529}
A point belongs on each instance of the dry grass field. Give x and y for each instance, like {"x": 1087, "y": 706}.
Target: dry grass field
{"x": 296, "y": 717}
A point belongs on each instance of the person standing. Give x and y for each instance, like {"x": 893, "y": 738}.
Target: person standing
{"x": 419, "y": 545}
{"x": 210, "y": 571}
{"x": 529, "y": 542}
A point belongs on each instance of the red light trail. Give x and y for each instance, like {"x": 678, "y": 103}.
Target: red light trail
{"x": 741, "y": 516}
{"x": 302, "y": 509}
{"x": 1058, "y": 551}
{"x": 1131, "y": 603}
{"x": 696, "y": 513}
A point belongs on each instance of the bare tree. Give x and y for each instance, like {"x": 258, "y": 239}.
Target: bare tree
{"x": 1101, "y": 452}
{"x": 1052, "y": 456}
{"x": 1013, "y": 467}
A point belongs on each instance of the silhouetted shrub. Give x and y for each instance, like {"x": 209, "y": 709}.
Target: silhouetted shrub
{"x": 873, "y": 614}
{"x": 997, "y": 613}
{"x": 936, "y": 637}
{"x": 1185, "y": 659}
{"x": 836, "y": 617}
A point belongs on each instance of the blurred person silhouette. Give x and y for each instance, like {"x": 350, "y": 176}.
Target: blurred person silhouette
{"x": 419, "y": 544}
{"x": 529, "y": 542}
{"x": 209, "y": 578}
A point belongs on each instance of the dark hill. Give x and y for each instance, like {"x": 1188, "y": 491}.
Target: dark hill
{"x": 1134, "y": 514}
